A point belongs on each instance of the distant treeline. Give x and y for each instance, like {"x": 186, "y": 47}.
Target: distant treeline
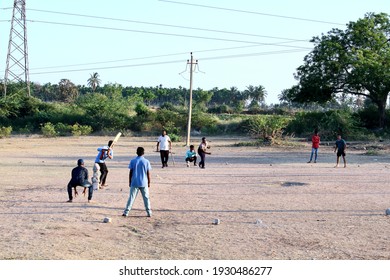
{"x": 66, "y": 109}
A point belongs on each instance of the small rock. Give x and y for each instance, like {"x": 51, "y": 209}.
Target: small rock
{"x": 107, "y": 220}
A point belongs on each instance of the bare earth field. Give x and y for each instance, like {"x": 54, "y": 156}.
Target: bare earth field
{"x": 272, "y": 204}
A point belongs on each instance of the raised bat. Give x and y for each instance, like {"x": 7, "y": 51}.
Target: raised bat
{"x": 116, "y": 139}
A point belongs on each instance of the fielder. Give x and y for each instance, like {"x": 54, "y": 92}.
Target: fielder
{"x": 79, "y": 178}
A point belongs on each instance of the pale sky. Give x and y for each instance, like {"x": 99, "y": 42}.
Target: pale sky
{"x": 148, "y": 42}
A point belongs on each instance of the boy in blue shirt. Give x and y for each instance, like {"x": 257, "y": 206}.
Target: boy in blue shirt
{"x": 139, "y": 180}
{"x": 340, "y": 147}
{"x": 191, "y": 156}
{"x": 103, "y": 153}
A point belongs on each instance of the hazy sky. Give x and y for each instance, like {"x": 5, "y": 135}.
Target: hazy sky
{"x": 148, "y": 42}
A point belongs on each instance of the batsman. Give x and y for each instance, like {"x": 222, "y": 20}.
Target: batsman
{"x": 104, "y": 152}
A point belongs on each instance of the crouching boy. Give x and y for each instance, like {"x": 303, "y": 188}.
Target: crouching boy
{"x": 79, "y": 178}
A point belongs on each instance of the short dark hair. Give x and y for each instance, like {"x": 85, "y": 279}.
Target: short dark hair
{"x": 191, "y": 146}
{"x": 80, "y": 162}
{"x": 110, "y": 143}
{"x": 140, "y": 151}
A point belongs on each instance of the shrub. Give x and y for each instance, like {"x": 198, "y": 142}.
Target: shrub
{"x": 175, "y": 137}
{"x": 201, "y": 120}
{"x": 338, "y": 122}
{"x": 62, "y": 129}
{"x": 78, "y": 130}
{"x": 5, "y": 131}
{"x": 305, "y": 122}
{"x": 266, "y": 128}
{"x": 48, "y": 130}
{"x": 27, "y": 129}
{"x": 328, "y": 123}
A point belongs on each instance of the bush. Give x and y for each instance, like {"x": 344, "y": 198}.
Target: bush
{"x": 221, "y": 109}
{"x": 201, "y": 120}
{"x": 78, "y": 130}
{"x": 27, "y": 129}
{"x": 329, "y": 124}
{"x": 5, "y": 131}
{"x": 48, "y": 130}
{"x": 304, "y": 123}
{"x": 266, "y": 128}
{"x": 175, "y": 137}
{"x": 171, "y": 121}
{"x": 63, "y": 129}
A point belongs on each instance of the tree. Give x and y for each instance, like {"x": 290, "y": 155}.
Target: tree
{"x": 201, "y": 98}
{"x": 355, "y": 61}
{"x": 256, "y": 94}
{"x": 94, "y": 81}
{"x": 68, "y": 92}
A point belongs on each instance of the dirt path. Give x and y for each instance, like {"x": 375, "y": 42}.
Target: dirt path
{"x": 271, "y": 204}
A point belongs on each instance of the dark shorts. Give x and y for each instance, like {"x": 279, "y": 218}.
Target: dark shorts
{"x": 340, "y": 153}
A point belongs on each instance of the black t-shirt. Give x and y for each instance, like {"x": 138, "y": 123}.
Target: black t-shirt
{"x": 79, "y": 175}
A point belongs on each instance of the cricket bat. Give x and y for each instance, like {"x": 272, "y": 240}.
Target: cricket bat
{"x": 173, "y": 159}
{"x": 116, "y": 139}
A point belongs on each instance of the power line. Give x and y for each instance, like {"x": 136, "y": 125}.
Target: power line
{"x": 168, "y": 25}
{"x": 252, "y": 54}
{"x": 251, "y": 12}
{"x": 155, "y": 56}
{"x": 110, "y": 61}
{"x": 282, "y": 44}
{"x": 165, "y": 62}
{"x": 108, "y": 67}
{"x": 253, "y": 44}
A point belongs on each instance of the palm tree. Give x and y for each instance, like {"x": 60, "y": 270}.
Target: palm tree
{"x": 257, "y": 94}
{"x": 94, "y": 81}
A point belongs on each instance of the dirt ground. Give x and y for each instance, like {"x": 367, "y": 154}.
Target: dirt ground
{"x": 271, "y": 204}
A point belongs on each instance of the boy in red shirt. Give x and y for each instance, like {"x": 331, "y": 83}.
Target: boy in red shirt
{"x": 315, "y": 139}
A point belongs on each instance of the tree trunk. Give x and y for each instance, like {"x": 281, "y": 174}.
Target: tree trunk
{"x": 382, "y": 112}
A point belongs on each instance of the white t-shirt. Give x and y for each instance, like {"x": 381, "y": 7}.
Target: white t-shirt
{"x": 164, "y": 142}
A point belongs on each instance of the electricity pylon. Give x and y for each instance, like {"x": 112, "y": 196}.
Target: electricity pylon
{"x": 17, "y": 68}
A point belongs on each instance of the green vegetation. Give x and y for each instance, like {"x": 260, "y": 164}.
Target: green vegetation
{"x": 351, "y": 62}
{"x": 343, "y": 87}
{"x": 5, "y": 131}
{"x": 116, "y": 110}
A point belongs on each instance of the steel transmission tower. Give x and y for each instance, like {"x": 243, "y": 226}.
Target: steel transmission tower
{"x": 17, "y": 68}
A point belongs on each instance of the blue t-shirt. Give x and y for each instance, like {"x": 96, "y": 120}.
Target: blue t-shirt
{"x": 190, "y": 154}
{"x": 340, "y": 144}
{"x": 102, "y": 155}
{"x": 139, "y": 167}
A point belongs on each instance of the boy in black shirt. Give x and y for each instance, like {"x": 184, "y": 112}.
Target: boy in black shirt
{"x": 79, "y": 178}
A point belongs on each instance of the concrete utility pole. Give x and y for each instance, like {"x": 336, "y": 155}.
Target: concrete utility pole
{"x": 192, "y": 63}
{"x": 17, "y": 68}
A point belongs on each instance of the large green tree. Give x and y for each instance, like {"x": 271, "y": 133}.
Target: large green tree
{"x": 353, "y": 61}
